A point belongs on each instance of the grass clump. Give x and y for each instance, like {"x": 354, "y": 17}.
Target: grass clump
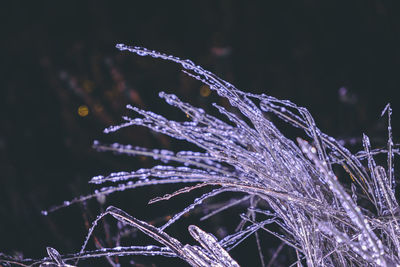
{"x": 282, "y": 182}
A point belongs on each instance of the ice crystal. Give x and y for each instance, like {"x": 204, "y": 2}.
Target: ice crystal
{"x": 286, "y": 183}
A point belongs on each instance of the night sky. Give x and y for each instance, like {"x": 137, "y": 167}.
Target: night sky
{"x": 63, "y": 81}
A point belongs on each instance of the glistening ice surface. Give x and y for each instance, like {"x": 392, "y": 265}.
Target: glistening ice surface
{"x": 283, "y": 182}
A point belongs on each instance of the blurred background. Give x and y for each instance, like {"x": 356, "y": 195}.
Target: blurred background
{"x": 63, "y": 81}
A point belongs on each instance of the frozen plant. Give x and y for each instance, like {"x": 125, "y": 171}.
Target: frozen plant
{"x": 285, "y": 183}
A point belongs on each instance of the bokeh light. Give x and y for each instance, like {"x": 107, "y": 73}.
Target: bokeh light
{"x": 83, "y": 111}
{"x": 205, "y": 90}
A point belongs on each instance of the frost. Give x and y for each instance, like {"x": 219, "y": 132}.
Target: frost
{"x": 282, "y": 182}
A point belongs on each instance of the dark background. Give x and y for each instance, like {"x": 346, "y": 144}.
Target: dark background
{"x": 58, "y": 56}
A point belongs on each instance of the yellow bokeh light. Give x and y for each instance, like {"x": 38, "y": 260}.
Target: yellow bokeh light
{"x": 205, "y": 90}
{"x": 83, "y": 111}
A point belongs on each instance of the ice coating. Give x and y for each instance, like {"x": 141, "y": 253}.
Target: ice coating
{"x": 324, "y": 221}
